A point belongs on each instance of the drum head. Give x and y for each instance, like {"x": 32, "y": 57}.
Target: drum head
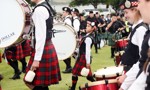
{"x": 109, "y": 72}
{"x": 12, "y": 22}
{"x": 64, "y": 40}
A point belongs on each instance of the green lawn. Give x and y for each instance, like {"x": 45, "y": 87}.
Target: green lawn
{"x": 102, "y": 59}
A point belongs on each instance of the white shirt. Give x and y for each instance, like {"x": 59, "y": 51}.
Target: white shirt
{"x": 88, "y": 42}
{"x": 68, "y": 20}
{"x": 138, "y": 36}
{"x": 131, "y": 76}
{"x": 140, "y": 82}
{"x": 76, "y": 24}
{"x": 40, "y": 15}
{"x": 132, "y": 73}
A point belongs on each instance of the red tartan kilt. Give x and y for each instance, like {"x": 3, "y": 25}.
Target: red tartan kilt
{"x": 48, "y": 72}
{"x": 26, "y": 48}
{"x": 80, "y": 63}
{"x": 19, "y": 53}
{"x": 9, "y": 55}
{"x": 16, "y": 53}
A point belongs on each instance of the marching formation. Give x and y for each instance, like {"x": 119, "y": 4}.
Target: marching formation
{"x": 42, "y": 39}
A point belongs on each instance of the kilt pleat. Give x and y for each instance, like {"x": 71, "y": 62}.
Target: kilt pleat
{"x": 48, "y": 72}
{"x": 19, "y": 52}
{"x": 26, "y": 48}
{"x": 80, "y": 63}
{"x": 111, "y": 41}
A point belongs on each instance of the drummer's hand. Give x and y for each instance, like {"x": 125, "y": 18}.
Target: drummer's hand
{"x": 35, "y": 65}
{"x": 88, "y": 66}
{"x": 121, "y": 79}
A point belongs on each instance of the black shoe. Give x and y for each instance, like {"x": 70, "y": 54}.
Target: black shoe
{"x": 68, "y": 70}
{"x": 16, "y": 76}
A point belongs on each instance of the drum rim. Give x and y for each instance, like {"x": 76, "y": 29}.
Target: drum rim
{"x": 24, "y": 18}
{"x": 90, "y": 84}
{"x": 75, "y": 34}
{"x": 23, "y": 11}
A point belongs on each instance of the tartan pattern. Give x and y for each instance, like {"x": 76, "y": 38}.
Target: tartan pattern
{"x": 104, "y": 35}
{"x": 112, "y": 38}
{"x": 14, "y": 52}
{"x": 26, "y": 48}
{"x": 19, "y": 52}
{"x": 80, "y": 63}
{"x": 111, "y": 41}
{"x": 9, "y": 54}
{"x": 48, "y": 72}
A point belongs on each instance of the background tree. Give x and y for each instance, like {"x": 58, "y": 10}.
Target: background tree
{"x": 85, "y": 2}
{"x": 113, "y": 3}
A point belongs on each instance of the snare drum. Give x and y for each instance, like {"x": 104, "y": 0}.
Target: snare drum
{"x": 64, "y": 40}
{"x": 108, "y": 73}
{"x": 121, "y": 43}
{"x": 15, "y": 21}
{"x": 101, "y": 85}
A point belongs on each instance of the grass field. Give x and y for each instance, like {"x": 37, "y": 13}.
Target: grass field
{"x": 102, "y": 59}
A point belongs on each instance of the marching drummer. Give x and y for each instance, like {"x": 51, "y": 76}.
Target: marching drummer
{"x": 76, "y": 20}
{"x": 133, "y": 49}
{"x": 112, "y": 28}
{"x": 67, "y": 15}
{"x": 143, "y": 81}
{"x": 67, "y": 20}
{"x": 91, "y": 18}
{"x": 143, "y": 44}
{"x": 82, "y": 26}
{"x": 84, "y": 59}
{"x": 43, "y": 61}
